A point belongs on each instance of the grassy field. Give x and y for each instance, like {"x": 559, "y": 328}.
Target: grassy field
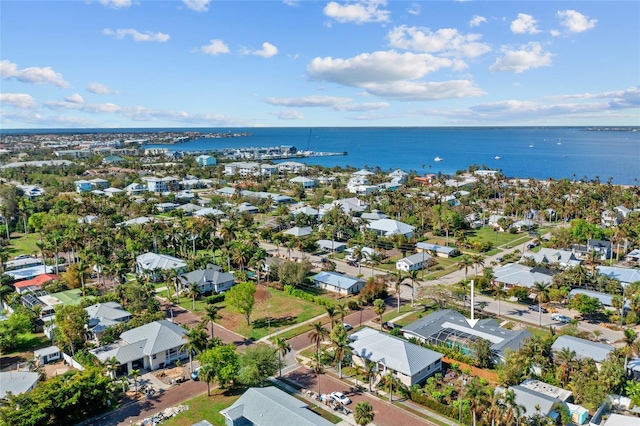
{"x": 21, "y": 244}
{"x": 497, "y": 238}
{"x": 28, "y": 342}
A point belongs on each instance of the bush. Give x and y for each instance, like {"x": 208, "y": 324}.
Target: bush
{"x": 215, "y": 298}
{"x": 353, "y": 305}
{"x": 301, "y": 294}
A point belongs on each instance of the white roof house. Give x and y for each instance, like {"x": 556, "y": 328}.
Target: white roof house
{"x": 583, "y": 348}
{"x": 304, "y": 181}
{"x": 309, "y": 211}
{"x": 562, "y": 258}
{"x": 136, "y": 221}
{"x": 104, "y": 315}
{"x": 624, "y": 275}
{"x": 151, "y": 346}
{"x": 438, "y": 250}
{"x": 389, "y": 227}
{"x": 271, "y": 406}
{"x": 415, "y": 262}
{"x": 411, "y": 363}
{"x": 17, "y": 382}
{"x": 331, "y": 246}
{"x": 338, "y": 283}
{"x": 291, "y": 166}
{"x": 150, "y": 262}
{"x": 298, "y": 231}
{"x": 515, "y": 274}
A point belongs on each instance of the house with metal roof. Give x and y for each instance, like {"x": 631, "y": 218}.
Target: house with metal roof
{"x": 548, "y": 256}
{"x": 150, "y": 262}
{"x": 210, "y": 279}
{"x": 151, "y": 346}
{"x": 105, "y": 315}
{"x": 374, "y": 215}
{"x": 298, "y": 231}
{"x": 291, "y": 166}
{"x": 515, "y": 274}
{"x": 606, "y": 300}
{"x": 304, "y": 181}
{"x": 624, "y": 275}
{"x": 17, "y": 382}
{"x": 136, "y": 221}
{"x": 451, "y": 328}
{"x": 390, "y": 227}
{"x": 331, "y": 246}
{"x": 415, "y": 262}
{"x": 337, "y": 283}
{"x": 584, "y": 349}
{"x": 46, "y": 355}
{"x": 535, "y": 402}
{"x": 270, "y": 406}
{"x": 407, "y": 361}
{"x": 438, "y": 250}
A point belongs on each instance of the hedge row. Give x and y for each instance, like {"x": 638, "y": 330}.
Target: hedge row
{"x": 445, "y": 410}
{"x": 215, "y": 298}
{"x": 301, "y": 294}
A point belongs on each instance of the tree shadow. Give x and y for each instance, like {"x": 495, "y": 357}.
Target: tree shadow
{"x": 274, "y": 322}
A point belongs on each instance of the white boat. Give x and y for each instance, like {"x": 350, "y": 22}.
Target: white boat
{"x": 497, "y": 157}
{"x": 559, "y": 142}
{"x": 531, "y": 146}
{"x": 437, "y": 159}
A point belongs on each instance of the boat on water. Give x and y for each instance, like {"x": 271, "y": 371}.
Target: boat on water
{"x": 497, "y": 157}
{"x": 437, "y": 159}
{"x": 531, "y": 146}
{"x": 559, "y": 142}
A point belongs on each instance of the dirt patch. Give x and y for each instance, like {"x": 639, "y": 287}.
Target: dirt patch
{"x": 261, "y": 294}
{"x": 56, "y": 369}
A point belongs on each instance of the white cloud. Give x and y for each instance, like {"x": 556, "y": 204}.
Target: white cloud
{"x": 424, "y": 91}
{"x": 527, "y": 57}
{"x": 575, "y": 22}
{"x": 292, "y": 3}
{"x": 288, "y": 115}
{"x": 136, "y": 35}
{"x": 84, "y": 107}
{"x": 75, "y": 98}
{"x": 629, "y": 98}
{"x": 414, "y": 9}
{"x": 215, "y": 47}
{"x": 334, "y": 102}
{"x": 524, "y": 24}
{"x": 268, "y": 50}
{"x": 555, "y": 33}
{"x": 197, "y": 5}
{"x": 99, "y": 89}
{"x": 115, "y": 4}
{"x": 447, "y": 41}
{"x": 477, "y": 20}
{"x": 18, "y": 100}
{"x": 376, "y": 67}
{"x": 35, "y": 75}
{"x": 360, "y": 12}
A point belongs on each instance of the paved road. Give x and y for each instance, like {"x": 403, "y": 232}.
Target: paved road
{"x": 385, "y": 413}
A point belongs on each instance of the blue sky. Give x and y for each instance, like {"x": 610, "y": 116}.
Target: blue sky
{"x": 200, "y": 63}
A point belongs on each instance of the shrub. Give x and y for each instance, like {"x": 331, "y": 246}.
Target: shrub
{"x": 215, "y": 298}
{"x": 353, "y": 305}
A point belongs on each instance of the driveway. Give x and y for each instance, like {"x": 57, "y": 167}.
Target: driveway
{"x": 385, "y": 413}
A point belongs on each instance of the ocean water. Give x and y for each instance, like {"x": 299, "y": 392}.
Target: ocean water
{"x": 533, "y": 152}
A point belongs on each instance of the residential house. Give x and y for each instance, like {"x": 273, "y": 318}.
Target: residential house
{"x": 46, "y": 355}
{"x": 31, "y": 191}
{"x": 208, "y": 211}
{"x": 151, "y": 346}
{"x": 600, "y": 247}
{"x": 309, "y": 211}
{"x": 438, "y": 250}
{"x": 362, "y": 172}
{"x": 34, "y": 283}
{"x": 615, "y": 419}
{"x": 451, "y": 328}
{"x": 338, "y": 283}
{"x": 537, "y": 397}
{"x": 270, "y": 406}
{"x": 624, "y": 275}
{"x": 83, "y": 186}
{"x": 415, "y": 262}
{"x": 206, "y": 160}
{"x": 291, "y": 167}
{"x": 390, "y": 227}
{"x": 373, "y": 215}
{"x": 26, "y": 262}
{"x": 606, "y": 300}
{"x": 584, "y": 349}
{"x": 410, "y": 363}
{"x": 17, "y": 382}
{"x": 103, "y": 316}
{"x": 113, "y": 159}
{"x": 331, "y": 246}
{"x": 515, "y": 274}
{"x": 160, "y": 185}
{"x": 388, "y": 186}
{"x": 98, "y": 183}
{"x": 399, "y": 176}
{"x": 246, "y": 208}
{"x": 110, "y": 192}
{"x": 304, "y": 181}
{"x": 350, "y": 206}
{"x": 610, "y": 218}
{"x": 29, "y": 273}
{"x": 88, "y": 219}
{"x": 140, "y": 221}
{"x": 210, "y": 280}
{"x": 623, "y": 211}
{"x": 135, "y": 189}
{"x": 298, "y": 231}
{"x": 549, "y": 256}
{"x": 149, "y": 263}
{"x": 524, "y": 225}
{"x": 166, "y": 207}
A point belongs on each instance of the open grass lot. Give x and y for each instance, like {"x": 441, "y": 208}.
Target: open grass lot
{"x": 205, "y": 407}
{"x": 497, "y": 238}
{"x": 21, "y": 244}
{"x": 284, "y": 310}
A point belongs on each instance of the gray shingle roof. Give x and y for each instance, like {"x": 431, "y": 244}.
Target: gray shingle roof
{"x": 396, "y": 353}
{"x": 213, "y": 275}
{"x": 583, "y": 348}
{"x": 158, "y": 336}
{"x": 272, "y": 407}
{"x": 336, "y": 280}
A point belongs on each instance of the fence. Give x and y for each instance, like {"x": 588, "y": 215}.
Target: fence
{"x": 72, "y": 362}
{"x": 485, "y": 374}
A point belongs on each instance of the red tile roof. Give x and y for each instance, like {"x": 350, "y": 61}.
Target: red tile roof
{"x": 39, "y": 280}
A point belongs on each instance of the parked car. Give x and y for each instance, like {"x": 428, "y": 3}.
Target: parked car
{"x": 195, "y": 374}
{"x": 347, "y": 327}
{"x": 341, "y": 398}
{"x": 535, "y": 308}
{"x": 531, "y": 246}
{"x": 22, "y": 256}
{"x": 561, "y": 318}
{"x": 500, "y": 259}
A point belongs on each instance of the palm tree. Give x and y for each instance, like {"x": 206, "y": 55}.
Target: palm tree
{"x": 193, "y": 292}
{"x": 282, "y": 348}
{"x": 316, "y": 366}
{"x": 498, "y": 293}
{"x": 331, "y": 312}
{"x": 363, "y": 413}
{"x": 476, "y": 393}
{"x": 630, "y": 347}
{"x": 373, "y": 259}
{"x": 357, "y": 370}
{"x": 379, "y": 307}
{"x": 542, "y": 296}
{"x": 388, "y": 380}
{"x": 135, "y": 374}
{"x": 340, "y": 343}
{"x": 566, "y": 358}
{"x": 341, "y": 311}
{"x": 513, "y": 411}
{"x": 317, "y": 334}
{"x": 196, "y": 342}
{"x": 211, "y": 315}
{"x": 465, "y": 263}
{"x": 207, "y": 374}
{"x": 398, "y": 277}
{"x": 478, "y": 260}
{"x": 414, "y": 276}
{"x": 496, "y": 408}
{"x": 370, "y": 371}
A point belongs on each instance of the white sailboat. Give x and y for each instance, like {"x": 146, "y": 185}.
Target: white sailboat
{"x": 437, "y": 159}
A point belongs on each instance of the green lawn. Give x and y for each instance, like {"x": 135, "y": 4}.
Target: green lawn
{"x": 497, "y": 238}
{"x": 28, "y": 342}
{"x": 537, "y": 331}
{"x": 21, "y": 244}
